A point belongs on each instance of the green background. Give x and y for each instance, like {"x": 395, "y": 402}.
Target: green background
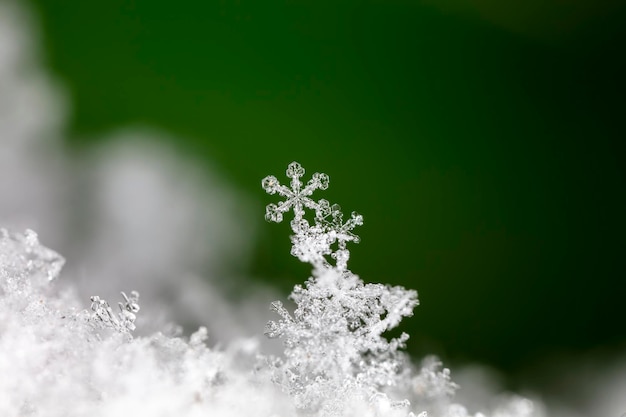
{"x": 481, "y": 142}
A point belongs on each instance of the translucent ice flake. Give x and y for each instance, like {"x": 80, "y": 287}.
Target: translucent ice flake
{"x": 326, "y": 239}
{"x": 25, "y": 262}
{"x": 103, "y": 317}
{"x": 297, "y": 198}
{"x": 336, "y": 352}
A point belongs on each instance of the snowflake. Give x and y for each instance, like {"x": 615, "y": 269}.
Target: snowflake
{"x": 312, "y": 244}
{"x": 296, "y": 197}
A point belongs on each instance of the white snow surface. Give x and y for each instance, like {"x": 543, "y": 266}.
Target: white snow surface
{"x": 59, "y": 359}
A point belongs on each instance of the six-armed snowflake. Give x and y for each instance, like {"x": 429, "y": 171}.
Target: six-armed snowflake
{"x": 312, "y": 243}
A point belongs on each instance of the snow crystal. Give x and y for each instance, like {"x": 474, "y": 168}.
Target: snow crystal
{"x": 124, "y": 321}
{"x": 312, "y": 243}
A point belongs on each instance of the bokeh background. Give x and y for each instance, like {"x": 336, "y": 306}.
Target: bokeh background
{"x": 480, "y": 139}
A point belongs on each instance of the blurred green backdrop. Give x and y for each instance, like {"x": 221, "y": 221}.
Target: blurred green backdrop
{"x": 481, "y": 142}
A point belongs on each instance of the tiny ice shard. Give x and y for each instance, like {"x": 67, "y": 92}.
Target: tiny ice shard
{"x": 102, "y": 315}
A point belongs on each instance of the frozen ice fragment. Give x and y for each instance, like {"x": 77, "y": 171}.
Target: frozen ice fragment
{"x": 103, "y": 317}
{"x": 312, "y": 243}
{"x": 131, "y": 304}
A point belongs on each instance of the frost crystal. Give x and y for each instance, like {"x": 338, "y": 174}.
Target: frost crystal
{"x": 312, "y": 243}
{"x": 103, "y": 316}
{"x": 334, "y": 343}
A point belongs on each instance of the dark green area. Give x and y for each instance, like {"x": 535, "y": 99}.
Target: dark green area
{"x": 488, "y": 166}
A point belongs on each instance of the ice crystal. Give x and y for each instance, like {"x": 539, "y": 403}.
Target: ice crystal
{"x": 334, "y": 342}
{"x": 312, "y": 243}
{"x": 104, "y": 317}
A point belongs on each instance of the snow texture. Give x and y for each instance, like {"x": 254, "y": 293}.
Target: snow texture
{"x": 61, "y": 360}
{"x": 312, "y": 243}
{"x": 60, "y": 356}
